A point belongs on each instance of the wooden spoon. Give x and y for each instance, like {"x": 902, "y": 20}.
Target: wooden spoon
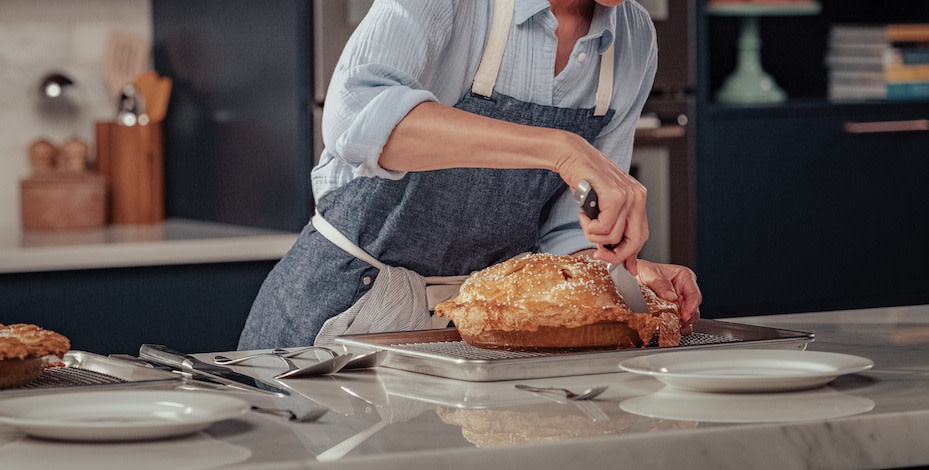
{"x": 158, "y": 105}
{"x": 147, "y": 85}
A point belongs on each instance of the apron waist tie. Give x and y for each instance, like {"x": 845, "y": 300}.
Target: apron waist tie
{"x": 438, "y": 288}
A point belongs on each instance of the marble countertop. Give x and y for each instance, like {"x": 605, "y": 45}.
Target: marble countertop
{"x": 175, "y": 241}
{"x": 397, "y": 419}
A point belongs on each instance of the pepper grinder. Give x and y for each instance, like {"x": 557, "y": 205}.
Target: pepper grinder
{"x": 73, "y": 156}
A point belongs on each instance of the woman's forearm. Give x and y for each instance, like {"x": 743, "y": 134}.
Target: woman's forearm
{"x": 434, "y": 136}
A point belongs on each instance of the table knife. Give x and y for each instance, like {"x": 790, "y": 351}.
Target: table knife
{"x": 167, "y": 356}
{"x": 626, "y": 284}
{"x": 190, "y": 378}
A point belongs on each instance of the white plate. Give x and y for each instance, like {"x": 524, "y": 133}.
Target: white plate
{"x": 118, "y": 415}
{"x": 817, "y": 404}
{"x": 746, "y": 370}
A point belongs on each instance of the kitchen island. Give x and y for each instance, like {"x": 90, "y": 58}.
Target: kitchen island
{"x": 388, "y": 418}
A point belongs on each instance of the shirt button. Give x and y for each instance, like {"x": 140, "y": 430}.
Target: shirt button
{"x": 581, "y": 57}
{"x": 366, "y": 280}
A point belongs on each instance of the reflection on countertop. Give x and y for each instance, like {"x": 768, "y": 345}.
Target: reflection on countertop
{"x": 817, "y": 404}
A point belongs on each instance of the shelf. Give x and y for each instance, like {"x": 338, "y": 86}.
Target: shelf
{"x": 176, "y": 241}
{"x": 659, "y": 133}
{"x": 764, "y": 9}
{"x": 749, "y": 83}
{"x": 793, "y": 107}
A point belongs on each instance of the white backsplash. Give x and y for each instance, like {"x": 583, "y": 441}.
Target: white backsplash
{"x": 42, "y": 36}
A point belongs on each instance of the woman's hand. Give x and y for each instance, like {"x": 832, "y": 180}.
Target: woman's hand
{"x": 622, "y": 220}
{"x": 676, "y": 284}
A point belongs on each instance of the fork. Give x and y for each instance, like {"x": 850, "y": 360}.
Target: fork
{"x": 588, "y": 394}
{"x": 592, "y": 411}
{"x": 308, "y": 417}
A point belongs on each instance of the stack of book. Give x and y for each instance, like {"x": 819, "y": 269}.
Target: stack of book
{"x": 878, "y": 62}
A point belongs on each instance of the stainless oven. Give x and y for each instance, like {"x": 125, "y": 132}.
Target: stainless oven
{"x": 664, "y": 148}
{"x": 662, "y": 161}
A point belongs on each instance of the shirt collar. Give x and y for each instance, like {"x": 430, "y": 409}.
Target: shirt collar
{"x": 525, "y": 9}
{"x": 602, "y": 24}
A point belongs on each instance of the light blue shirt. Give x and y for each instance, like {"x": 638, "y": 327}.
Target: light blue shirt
{"x": 406, "y": 52}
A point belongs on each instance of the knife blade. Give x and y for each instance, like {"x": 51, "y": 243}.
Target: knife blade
{"x": 164, "y": 355}
{"x": 626, "y": 284}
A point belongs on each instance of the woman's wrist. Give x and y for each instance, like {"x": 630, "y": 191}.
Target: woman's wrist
{"x": 566, "y": 151}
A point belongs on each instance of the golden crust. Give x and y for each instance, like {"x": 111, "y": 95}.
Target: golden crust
{"x": 543, "y": 291}
{"x": 21, "y": 340}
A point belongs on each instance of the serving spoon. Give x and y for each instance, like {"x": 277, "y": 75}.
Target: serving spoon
{"x": 277, "y": 352}
{"x": 364, "y": 361}
{"x": 329, "y": 366}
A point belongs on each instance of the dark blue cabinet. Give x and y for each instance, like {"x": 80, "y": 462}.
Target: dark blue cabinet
{"x": 238, "y": 134}
{"x": 197, "y": 307}
{"x": 794, "y": 212}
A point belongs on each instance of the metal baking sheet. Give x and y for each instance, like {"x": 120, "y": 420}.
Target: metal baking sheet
{"x": 442, "y": 353}
{"x": 89, "y": 371}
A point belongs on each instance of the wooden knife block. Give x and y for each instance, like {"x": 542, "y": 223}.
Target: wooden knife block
{"x": 132, "y": 160}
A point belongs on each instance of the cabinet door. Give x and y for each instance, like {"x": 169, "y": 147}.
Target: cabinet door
{"x": 796, "y": 214}
{"x": 238, "y": 142}
{"x": 191, "y": 307}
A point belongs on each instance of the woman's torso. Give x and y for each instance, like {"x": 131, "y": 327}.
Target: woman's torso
{"x": 527, "y": 71}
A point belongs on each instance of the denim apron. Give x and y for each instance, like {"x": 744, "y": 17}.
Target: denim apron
{"x": 380, "y": 253}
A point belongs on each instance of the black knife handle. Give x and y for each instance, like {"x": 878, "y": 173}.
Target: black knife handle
{"x": 163, "y": 354}
{"x": 591, "y": 204}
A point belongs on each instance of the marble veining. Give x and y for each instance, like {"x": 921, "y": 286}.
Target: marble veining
{"x": 397, "y": 419}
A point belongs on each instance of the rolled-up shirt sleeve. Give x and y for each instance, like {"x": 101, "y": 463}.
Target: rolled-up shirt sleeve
{"x": 378, "y": 79}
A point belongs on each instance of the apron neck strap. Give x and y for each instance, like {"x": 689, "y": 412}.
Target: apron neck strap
{"x": 489, "y": 68}
{"x": 486, "y": 75}
{"x": 605, "y": 85}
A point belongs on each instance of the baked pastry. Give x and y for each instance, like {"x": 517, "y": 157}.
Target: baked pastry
{"x": 546, "y": 302}
{"x": 24, "y": 350}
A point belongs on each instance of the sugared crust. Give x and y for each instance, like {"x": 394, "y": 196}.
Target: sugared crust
{"x": 20, "y": 340}
{"x": 542, "y": 290}
{"x": 532, "y": 291}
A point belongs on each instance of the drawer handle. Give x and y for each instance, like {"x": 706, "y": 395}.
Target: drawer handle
{"x": 878, "y": 127}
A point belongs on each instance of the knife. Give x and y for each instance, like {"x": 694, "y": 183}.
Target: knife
{"x": 167, "y": 356}
{"x": 626, "y": 284}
